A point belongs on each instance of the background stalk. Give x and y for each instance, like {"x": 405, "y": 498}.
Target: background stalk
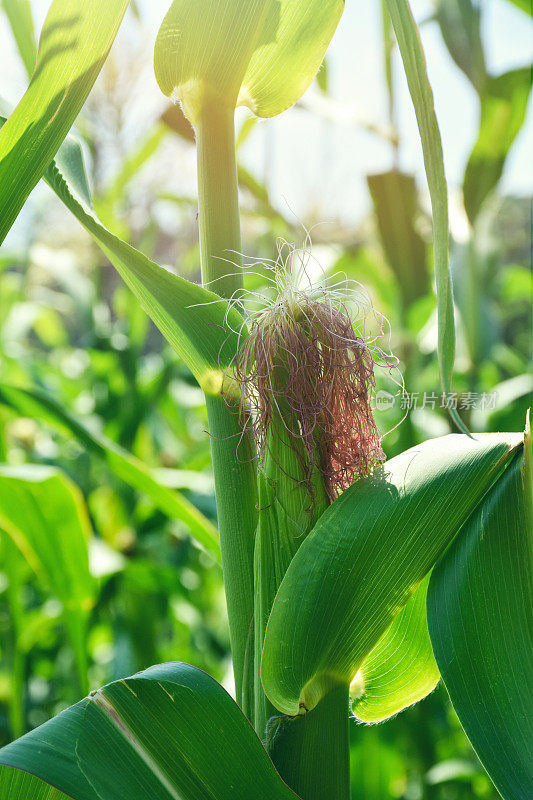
{"x": 232, "y": 450}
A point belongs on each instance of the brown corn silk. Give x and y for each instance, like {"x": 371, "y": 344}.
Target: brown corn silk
{"x": 303, "y": 364}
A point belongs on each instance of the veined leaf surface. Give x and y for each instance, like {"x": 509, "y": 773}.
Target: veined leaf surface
{"x": 364, "y": 559}
{"x": 480, "y": 616}
{"x": 259, "y": 53}
{"x": 168, "y": 733}
{"x": 401, "y": 668}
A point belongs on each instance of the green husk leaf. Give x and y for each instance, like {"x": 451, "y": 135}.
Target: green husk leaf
{"x": 401, "y": 668}
{"x": 364, "y": 559}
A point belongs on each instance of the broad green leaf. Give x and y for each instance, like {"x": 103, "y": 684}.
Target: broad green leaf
{"x": 74, "y": 44}
{"x": 168, "y": 733}
{"x": 34, "y": 403}
{"x": 503, "y": 110}
{"x": 480, "y": 616}
{"x": 422, "y": 97}
{"x": 195, "y": 321}
{"x": 395, "y": 201}
{"x": 459, "y": 22}
{"x": 364, "y": 559}
{"x": 259, "y": 53}
{"x": 288, "y": 57}
{"x": 21, "y": 21}
{"x": 45, "y": 515}
{"x": 20, "y": 785}
{"x": 401, "y": 668}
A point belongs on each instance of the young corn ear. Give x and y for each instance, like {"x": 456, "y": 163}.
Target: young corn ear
{"x": 307, "y": 373}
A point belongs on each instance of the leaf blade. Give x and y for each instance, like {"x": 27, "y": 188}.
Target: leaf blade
{"x": 422, "y": 97}
{"x": 73, "y": 46}
{"x": 152, "y": 735}
{"x": 370, "y": 548}
{"x": 479, "y": 614}
{"x": 401, "y": 668}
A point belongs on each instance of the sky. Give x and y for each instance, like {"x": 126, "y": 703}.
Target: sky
{"x": 316, "y": 167}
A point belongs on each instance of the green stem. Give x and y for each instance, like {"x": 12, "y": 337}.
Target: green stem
{"x": 232, "y": 450}
{"x": 312, "y": 752}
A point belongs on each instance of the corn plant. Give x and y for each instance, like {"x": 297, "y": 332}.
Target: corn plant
{"x": 353, "y": 584}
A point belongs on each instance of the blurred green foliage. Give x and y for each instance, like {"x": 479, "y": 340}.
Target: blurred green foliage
{"x": 70, "y": 329}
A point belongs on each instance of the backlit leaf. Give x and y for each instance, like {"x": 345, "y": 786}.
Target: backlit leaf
{"x": 45, "y": 515}
{"x": 401, "y": 668}
{"x": 259, "y": 53}
{"x": 74, "y": 44}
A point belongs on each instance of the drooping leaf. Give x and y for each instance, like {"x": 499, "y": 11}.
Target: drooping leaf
{"x": 45, "y": 515}
{"x": 480, "y": 616}
{"x": 168, "y": 733}
{"x": 503, "y": 110}
{"x": 21, "y": 21}
{"x": 259, "y": 53}
{"x": 401, "y": 669}
{"x": 74, "y": 44}
{"x": 364, "y": 559}
{"x": 459, "y": 22}
{"x": 35, "y": 403}
{"x": 422, "y": 97}
{"x": 395, "y": 202}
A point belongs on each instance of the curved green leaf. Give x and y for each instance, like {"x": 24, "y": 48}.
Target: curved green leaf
{"x": 422, "y": 97}
{"x": 74, "y": 44}
{"x": 503, "y": 111}
{"x": 14, "y": 783}
{"x": 364, "y": 559}
{"x": 33, "y": 402}
{"x": 21, "y": 21}
{"x": 285, "y": 63}
{"x": 168, "y": 733}
{"x": 259, "y": 53}
{"x": 44, "y": 513}
{"x": 401, "y": 668}
{"x": 480, "y": 616}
